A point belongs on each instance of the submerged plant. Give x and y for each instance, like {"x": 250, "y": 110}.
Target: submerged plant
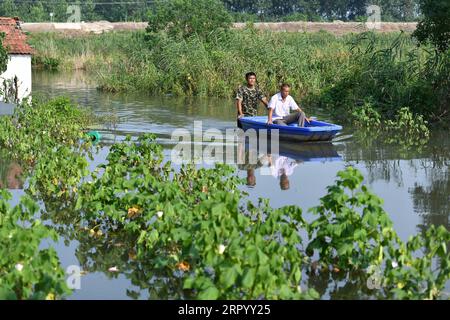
{"x": 408, "y": 126}
{"x": 26, "y": 270}
{"x": 38, "y": 127}
{"x": 194, "y": 225}
{"x": 352, "y": 230}
{"x": 193, "y": 222}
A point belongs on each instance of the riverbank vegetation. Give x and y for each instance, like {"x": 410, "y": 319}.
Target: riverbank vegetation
{"x": 33, "y": 138}
{"x": 200, "y": 56}
{"x": 340, "y": 74}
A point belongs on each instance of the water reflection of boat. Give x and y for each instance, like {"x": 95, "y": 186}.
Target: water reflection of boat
{"x": 305, "y": 152}
{"x": 281, "y": 162}
{"x": 318, "y": 152}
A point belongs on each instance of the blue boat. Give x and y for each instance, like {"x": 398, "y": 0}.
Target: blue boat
{"x": 313, "y": 131}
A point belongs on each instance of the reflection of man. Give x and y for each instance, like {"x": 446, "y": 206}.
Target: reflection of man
{"x": 247, "y": 159}
{"x": 251, "y": 178}
{"x": 13, "y": 180}
{"x": 282, "y": 167}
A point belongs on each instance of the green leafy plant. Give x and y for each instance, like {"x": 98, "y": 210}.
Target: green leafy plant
{"x": 407, "y": 125}
{"x": 38, "y": 127}
{"x": 353, "y": 233}
{"x": 58, "y": 173}
{"x": 184, "y": 18}
{"x": 420, "y": 268}
{"x": 352, "y": 230}
{"x": 366, "y": 117}
{"x": 192, "y": 221}
{"x": 195, "y": 227}
{"x": 26, "y": 270}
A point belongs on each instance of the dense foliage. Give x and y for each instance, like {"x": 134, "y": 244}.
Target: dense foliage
{"x": 35, "y": 137}
{"x": 243, "y": 10}
{"x": 388, "y": 78}
{"x": 435, "y": 26}
{"x": 198, "y": 230}
{"x": 26, "y": 270}
{"x": 339, "y": 74}
{"x": 184, "y": 18}
{"x": 37, "y": 128}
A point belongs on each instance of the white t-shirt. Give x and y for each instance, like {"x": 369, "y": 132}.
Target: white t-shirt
{"x": 281, "y": 108}
{"x": 282, "y": 165}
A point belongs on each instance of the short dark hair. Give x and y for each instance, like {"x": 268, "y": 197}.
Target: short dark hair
{"x": 284, "y": 85}
{"x": 249, "y": 74}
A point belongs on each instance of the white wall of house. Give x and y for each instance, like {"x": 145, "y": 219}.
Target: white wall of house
{"x": 19, "y": 65}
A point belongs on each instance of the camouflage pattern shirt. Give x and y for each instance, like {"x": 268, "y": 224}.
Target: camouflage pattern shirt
{"x": 250, "y": 99}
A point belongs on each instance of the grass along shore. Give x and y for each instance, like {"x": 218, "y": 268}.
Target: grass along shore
{"x": 356, "y": 74}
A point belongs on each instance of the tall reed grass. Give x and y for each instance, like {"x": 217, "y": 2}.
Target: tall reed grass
{"x": 340, "y": 74}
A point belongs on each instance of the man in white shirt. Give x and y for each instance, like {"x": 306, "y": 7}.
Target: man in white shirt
{"x": 279, "y": 167}
{"x": 280, "y": 107}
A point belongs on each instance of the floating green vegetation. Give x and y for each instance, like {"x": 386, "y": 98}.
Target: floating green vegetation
{"x": 404, "y": 129}
{"x": 37, "y": 127}
{"x": 26, "y": 270}
{"x": 197, "y": 229}
{"x": 194, "y": 227}
{"x": 40, "y": 137}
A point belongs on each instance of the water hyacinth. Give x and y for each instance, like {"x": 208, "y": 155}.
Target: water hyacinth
{"x": 260, "y": 242}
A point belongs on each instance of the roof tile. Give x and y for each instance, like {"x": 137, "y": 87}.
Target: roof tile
{"x": 15, "y": 40}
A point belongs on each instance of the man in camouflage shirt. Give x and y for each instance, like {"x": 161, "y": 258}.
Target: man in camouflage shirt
{"x": 247, "y": 98}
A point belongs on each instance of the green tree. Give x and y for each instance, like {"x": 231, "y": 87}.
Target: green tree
{"x": 88, "y": 11}
{"x": 434, "y": 28}
{"x": 38, "y": 13}
{"x": 8, "y": 8}
{"x": 59, "y": 10}
{"x": 3, "y": 54}
{"x": 183, "y": 18}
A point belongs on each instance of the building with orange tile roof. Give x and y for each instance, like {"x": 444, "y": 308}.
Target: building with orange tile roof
{"x": 15, "y": 82}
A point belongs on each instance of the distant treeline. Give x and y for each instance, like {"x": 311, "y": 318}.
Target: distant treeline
{"x": 243, "y": 10}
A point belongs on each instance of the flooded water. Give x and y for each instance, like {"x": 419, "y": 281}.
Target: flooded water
{"x": 414, "y": 182}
